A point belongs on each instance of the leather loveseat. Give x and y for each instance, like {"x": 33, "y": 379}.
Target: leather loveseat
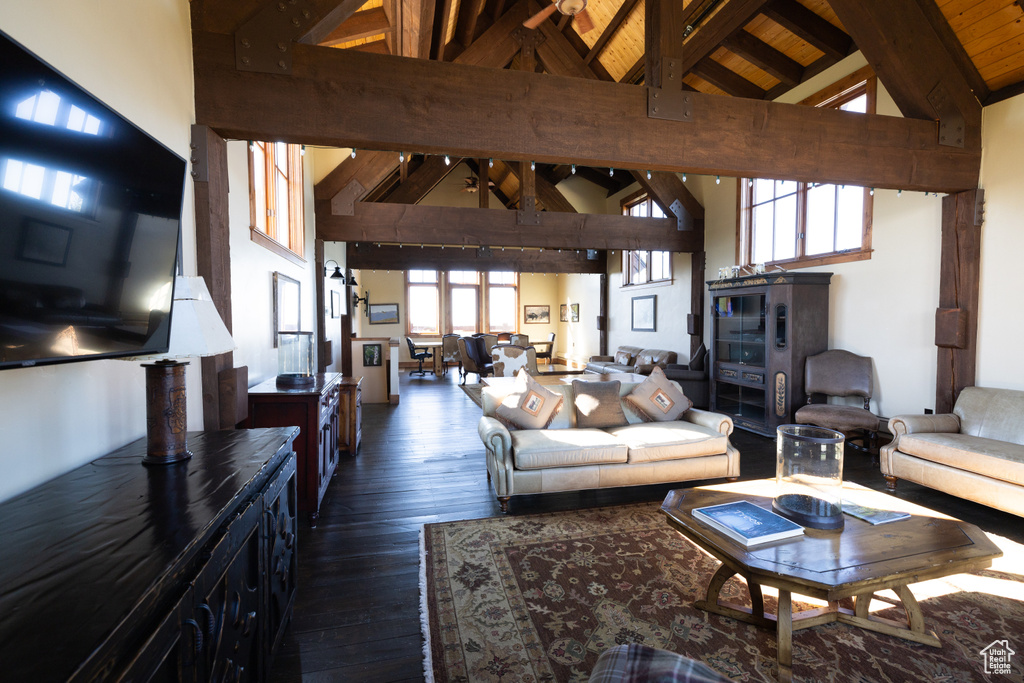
{"x": 564, "y": 456}
{"x": 976, "y": 452}
{"x": 631, "y": 359}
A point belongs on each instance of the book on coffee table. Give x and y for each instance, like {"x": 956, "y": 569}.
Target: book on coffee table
{"x": 746, "y": 523}
{"x": 873, "y": 515}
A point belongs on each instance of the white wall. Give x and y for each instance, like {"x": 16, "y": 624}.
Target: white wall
{"x": 137, "y": 58}
{"x": 578, "y": 341}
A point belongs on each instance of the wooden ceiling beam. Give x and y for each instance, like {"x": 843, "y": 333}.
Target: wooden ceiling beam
{"x": 613, "y": 26}
{"x": 424, "y": 179}
{"x": 765, "y": 57}
{"x": 709, "y": 36}
{"x": 498, "y": 44}
{"x": 729, "y": 81}
{"x": 417, "y": 28}
{"x": 328, "y": 15}
{"x": 393, "y": 103}
{"x": 667, "y": 189}
{"x": 807, "y": 25}
{"x": 557, "y": 55}
{"x": 921, "y": 73}
{"x": 466, "y": 22}
{"x": 550, "y": 196}
{"x": 442, "y": 19}
{"x": 369, "y": 256}
{"x": 456, "y": 226}
{"x": 663, "y": 30}
{"x": 363, "y": 24}
{"x": 375, "y": 47}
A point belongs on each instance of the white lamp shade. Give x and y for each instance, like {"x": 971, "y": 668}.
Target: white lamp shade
{"x": 196, "y": 326}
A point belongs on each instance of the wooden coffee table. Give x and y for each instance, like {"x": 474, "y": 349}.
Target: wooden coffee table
{"x": 830, "y": 565}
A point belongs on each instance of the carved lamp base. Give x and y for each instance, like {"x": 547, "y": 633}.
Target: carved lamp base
{"x": 165, "y": 413}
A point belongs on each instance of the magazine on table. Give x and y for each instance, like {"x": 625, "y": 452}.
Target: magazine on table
{"x": 746, "y": 523}
{"x": 873, "y": 515}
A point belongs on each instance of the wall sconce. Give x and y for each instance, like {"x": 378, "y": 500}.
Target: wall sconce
{"x": 365, "y": 299}
{"x": 336, "y": 275}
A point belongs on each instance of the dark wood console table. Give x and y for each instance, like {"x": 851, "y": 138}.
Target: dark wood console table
{"x": 185, "y": 572}
{"x": 319, "y": 410}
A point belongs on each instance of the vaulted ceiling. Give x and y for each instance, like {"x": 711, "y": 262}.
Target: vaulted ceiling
{"x": 655, "y": 86}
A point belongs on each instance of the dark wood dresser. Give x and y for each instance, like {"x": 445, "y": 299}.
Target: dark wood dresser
{"x": 318, "y": 410}
{"x": 117, "y": 571}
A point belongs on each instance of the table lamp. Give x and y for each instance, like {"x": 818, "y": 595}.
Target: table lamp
{"x": 196, "y": 330}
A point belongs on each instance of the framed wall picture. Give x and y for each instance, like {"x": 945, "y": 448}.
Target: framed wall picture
{"x": 383, "y": 314}
{"x": 335, "y": 304}
{"x": 644, "y": 313}
{"x": 574, "y": 313}
{"x": 537, "y": 314}
{"x": 287, "y": 305}
{"x": 373, "y": 355}
{"x": 563, "y": 313}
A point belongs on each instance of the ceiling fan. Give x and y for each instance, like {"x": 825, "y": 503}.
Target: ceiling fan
{"x": 473, "y": 184}
{"x": 574, "y": 8}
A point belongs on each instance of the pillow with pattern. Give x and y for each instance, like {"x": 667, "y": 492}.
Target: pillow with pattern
{"x": 598, "y": 404}
{"x": 657, "y": 399}
{"x": 530, "y": 405}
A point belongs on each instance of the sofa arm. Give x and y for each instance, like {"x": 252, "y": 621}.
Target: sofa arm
{"x": 684, "y": 373}
{"x": 601, "y": 359}
{"x": 916, "y": 424}
{"x": 644, "y": 369}
{"x": 495, "y": 436}
{"x": 705, "y": 418}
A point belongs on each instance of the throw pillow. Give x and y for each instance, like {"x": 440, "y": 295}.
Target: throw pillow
{"x": 530, "y": 405}
{"x": 657, "y": 399}
{"x": 623, "y": 358}
{"x": 598, "y": 404}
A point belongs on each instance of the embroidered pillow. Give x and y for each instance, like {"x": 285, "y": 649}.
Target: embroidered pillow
{"x": 598, "y": 404}
{"x": 530, "y": 405}
{"x": 657, "y": 399}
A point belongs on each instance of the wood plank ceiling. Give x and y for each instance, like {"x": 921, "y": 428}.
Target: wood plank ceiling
{"x": 755, "y": 49}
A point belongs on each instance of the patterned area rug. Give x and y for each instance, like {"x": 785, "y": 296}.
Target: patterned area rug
{"x": 473, "y": 391}
{"x": 538, "y": 598}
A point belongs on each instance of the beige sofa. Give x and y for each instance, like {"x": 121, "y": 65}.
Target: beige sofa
{"x": 976, "y": 452}
{"x": 631, "y": 359}
{"x": 563, "y": 457}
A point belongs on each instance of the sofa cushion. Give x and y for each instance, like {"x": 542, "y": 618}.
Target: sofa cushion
{"x": 991, "y": 413}
{"x": 539, "y": 448}
{"x": 530, "y": 405}
{"x": 598, "y": 404}
{"x": 653, "y": 441}
{"x": 658, "y": 399}
{"x": 623, "y": 357}
{"x": 655, "y": 357}
{"x": 991, "y": 458}
{"x": 843, "y": 418}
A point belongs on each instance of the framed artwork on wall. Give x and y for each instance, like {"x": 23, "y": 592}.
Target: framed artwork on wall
{"x": 574, "y": 313}
{"x": 644, "y": 313}
{"x": 335, "y": 304}
{"x": 383, "y": 314}
{"x": 537, "y": 314}
{"x": 373, "y": 355}
{"x": 287, "y": 305}
{"x": 563, "y": 313}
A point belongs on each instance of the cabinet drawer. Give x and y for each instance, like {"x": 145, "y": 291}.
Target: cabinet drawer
{"x": 740, "y": 374}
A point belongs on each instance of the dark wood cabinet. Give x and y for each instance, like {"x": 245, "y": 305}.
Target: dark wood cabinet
{"x": 122, "y": 572}
{"x": 351, "y": 414}
{"x": 763, "y": 328}
{"x": 316, "y": 410}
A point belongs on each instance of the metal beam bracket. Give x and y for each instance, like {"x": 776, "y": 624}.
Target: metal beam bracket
{"x": 528, "y": 214}
{"x": 344, "y": 203}
{"x": 522, "y": 34}
{"x": 199, "y": 156}
{"x": 951, "y": 120}
{"x": 264, "y": 43}
{"x": 684, "y": 221}
{"x": 483, "y": 252}
{"x": 670, "y": 105}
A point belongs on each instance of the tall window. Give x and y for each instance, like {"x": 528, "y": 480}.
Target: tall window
{"x": 810, "y": 224}
{"x": 639, "y": 267}
{"x": 424, "y": 303}
{"x": 502, "y": 308}
{"x": 464, "y": 295}
{"x": 275, "y": 198}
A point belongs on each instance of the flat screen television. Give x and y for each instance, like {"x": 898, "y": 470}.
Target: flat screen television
{"x": 90, "y": 217}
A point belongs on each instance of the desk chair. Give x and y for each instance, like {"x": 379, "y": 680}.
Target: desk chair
{"x": 421, "y": 355}
{"x": 545, "y": 348}
{"x": 840, "y": 373}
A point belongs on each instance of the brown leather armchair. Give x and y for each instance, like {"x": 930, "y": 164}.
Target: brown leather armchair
{"x": 474, "y": 358}
{"x": 692, "y": 377}
{"x": 840, "y": 373}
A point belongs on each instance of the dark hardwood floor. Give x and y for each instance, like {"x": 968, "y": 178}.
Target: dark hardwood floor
{"x": 357, "y": 611}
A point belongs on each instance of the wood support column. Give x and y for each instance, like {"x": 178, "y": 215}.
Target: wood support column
{"x": 602, "y": 318}
{"x": 695, "y": 320}
{"x": 224, "y": 386}
{"x": 956, "y": 320}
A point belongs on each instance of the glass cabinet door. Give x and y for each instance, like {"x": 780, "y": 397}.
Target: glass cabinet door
{"x": 740, "y": 329}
